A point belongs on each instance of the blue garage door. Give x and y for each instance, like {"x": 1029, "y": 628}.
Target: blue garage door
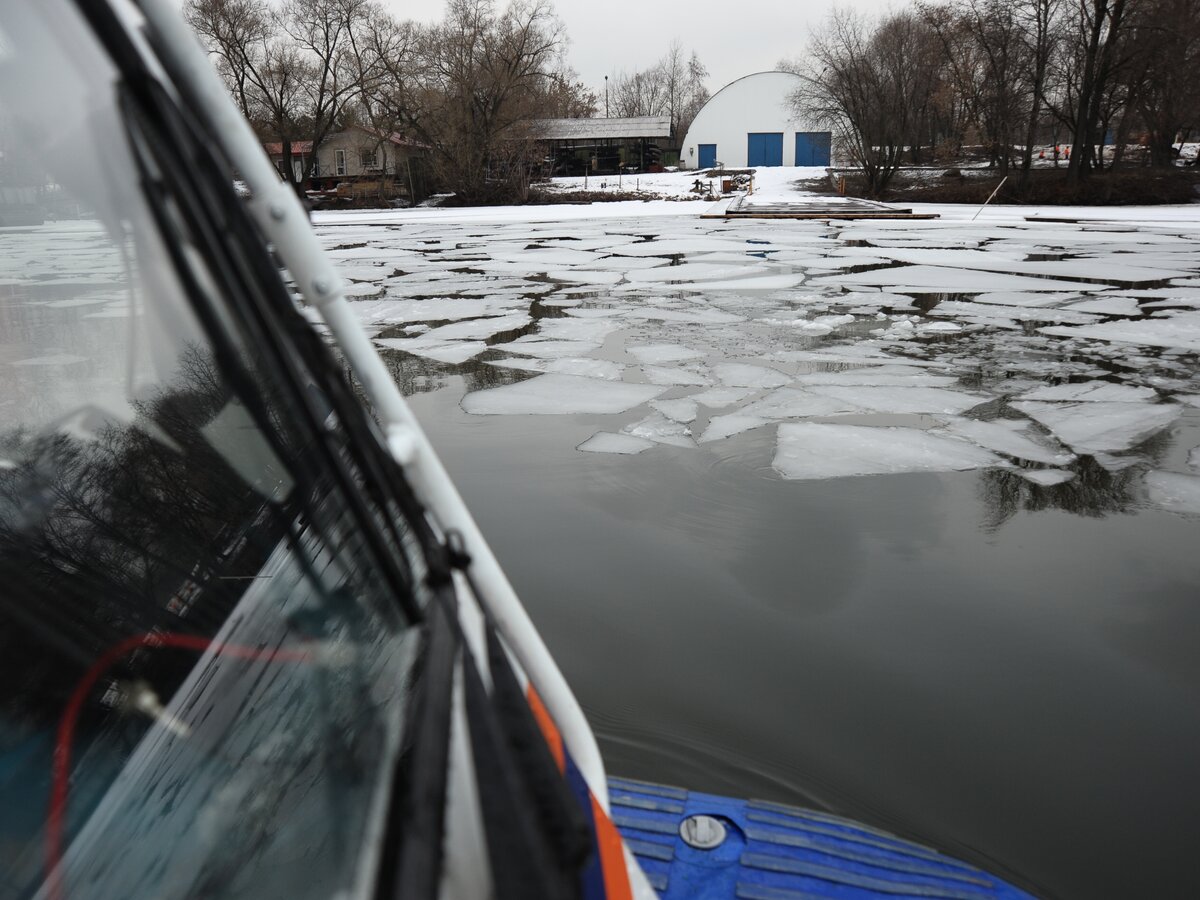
{"x": 812, "y": 148}
{"x": 708, "y": 156}
{"x": 764, "y": 149}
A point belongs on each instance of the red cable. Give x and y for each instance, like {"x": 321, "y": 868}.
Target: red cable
{"x": 61, "y": 765}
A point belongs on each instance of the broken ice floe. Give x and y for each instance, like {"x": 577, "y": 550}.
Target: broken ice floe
{"x": 559, "y": 395}
{"x": 449, "y": 352}
{"x": 944, "y": 280}
{"x": 1092, "y": 392}
{"x": 809, "y": 450}
{"x": 1181, "y": 330}
{"x": 682, "y": 411}
{"x": 721, "y": 427}
{"x": 1101, "y": 427}
{"x": 1173, "y": 491}
{"x": 662, "y": 430}
{"x": 706, "y": 310}
{"x": 656, "y": 354}
{"x": 749, "y": 376}
{"x": 669, "y": 376}
{"x": 1005, "y": 437}
{"x": 588, "y": 368}
{"x": 607, "y": 442}
{"x": 1046, "y": 477}
{"x": 717, "y": 398}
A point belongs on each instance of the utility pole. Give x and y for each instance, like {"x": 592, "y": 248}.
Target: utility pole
{"x": 606, "y": 96}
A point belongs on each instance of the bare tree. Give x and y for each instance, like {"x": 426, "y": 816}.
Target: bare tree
{"x": 870, "y": 86}
{"x": 478, "y": 82}
{"x": 1164, "y": 54}
{"x": 324, "y": 33}
{"x": 264, "y": 71}
{"x": 673, "y": 87}
{"x": 982, "y": 44}
{"x": 1038, "y": 20}
{"x": 1099, "y": 34}
{"x": 291, "y": 68}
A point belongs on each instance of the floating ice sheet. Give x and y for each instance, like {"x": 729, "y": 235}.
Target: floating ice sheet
{"x": 585, "y": 276}
{"x": 1101, "y": 427}
{"x": 778, "y": 282}
{"x": 477, "y": 329}
{"x": 791, "y": 403}
{"x": 1173, "y": 491}
{"x": 1046, "y": 477}
{"x": 670, "y": 376}
{"x": 1017, "y": 298}
{"x": 607, "y": 442}
{"x": 559, "y": 395}
{"x": 533, "y": 345}
{"x": 398, "y": 312}
{"x": 1092, "y": 392}
{"x": 658, "y": 428}
{"x": 946, "y": 280}
{"x": 587, "y": 368}
{"x": 1109, "y": 306}
{"x": 1019, "y": 314}
{"x": 745, "y": 375}
{"x": 682, "y": 410}
{"x": 718, "y": 398}
{"x": 721, "y": 427}
{"x": 810, "y": 450}
{"x": 1003, "y": 437}
{"x": 452, "y": 352}
{"x": 890, "y": 399}
{"x": 992, "y": 261}
{"x": 897, "y": 376}
{"x": 1182, "y": 330}
{"x": 656, "y": 354}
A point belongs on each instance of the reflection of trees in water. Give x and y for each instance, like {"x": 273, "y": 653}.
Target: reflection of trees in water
{"x": 418, "y": 375}
{"x": 121, "y": 529}
{"x": 1095, "y": 492}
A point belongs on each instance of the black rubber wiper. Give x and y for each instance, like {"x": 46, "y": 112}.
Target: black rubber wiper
{"x": 186, "y": 210}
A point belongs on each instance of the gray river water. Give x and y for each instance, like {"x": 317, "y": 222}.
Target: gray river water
{"x": 1003, "y": 669}
{"x": 933, "y": 653}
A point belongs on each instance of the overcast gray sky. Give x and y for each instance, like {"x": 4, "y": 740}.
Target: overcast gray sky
{"x": 733, "y": 39}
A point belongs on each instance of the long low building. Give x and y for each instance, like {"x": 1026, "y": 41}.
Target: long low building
{"x": 601, "y": 146}
{"x": 751, "y": 122}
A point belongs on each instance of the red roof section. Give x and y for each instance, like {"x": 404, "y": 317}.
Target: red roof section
{"x": 298, "y": 148}
{"x": 304, "y": 148}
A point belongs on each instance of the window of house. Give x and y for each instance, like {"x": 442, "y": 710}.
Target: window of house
{"x": 339, "y": 162}
{"x": 366, "y": 158}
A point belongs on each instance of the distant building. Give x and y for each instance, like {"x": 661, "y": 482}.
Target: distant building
{"x": 749, "y": 122}
{"x": 356, "y": 154}
{"x": 604, "y": 146}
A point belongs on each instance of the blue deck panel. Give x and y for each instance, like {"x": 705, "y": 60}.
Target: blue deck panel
{"x": 813, "y": 148}
{"x": 764, "y": 148}
{"x": 778, "y": 852}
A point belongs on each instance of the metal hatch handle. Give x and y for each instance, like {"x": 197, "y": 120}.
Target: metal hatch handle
{"x": 278, "y": 212}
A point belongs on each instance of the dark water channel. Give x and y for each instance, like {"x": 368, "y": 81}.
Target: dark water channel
{"x": 1006, "y": 671}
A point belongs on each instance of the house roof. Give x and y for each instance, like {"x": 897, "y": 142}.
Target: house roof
{"x": 303, "y": 148}
{"x": 299, "y": 148}
{"x": 592, "y": 129}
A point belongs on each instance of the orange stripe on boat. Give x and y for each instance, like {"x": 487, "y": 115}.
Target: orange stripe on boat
{"x": 612, "y": 855}
{"x": 549, "y": 729}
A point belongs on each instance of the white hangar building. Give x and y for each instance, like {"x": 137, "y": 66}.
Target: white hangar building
{"x": 749, "y": 122}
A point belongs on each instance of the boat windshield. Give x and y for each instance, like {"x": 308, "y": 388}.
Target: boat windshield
{"x": 203, "y": 662}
